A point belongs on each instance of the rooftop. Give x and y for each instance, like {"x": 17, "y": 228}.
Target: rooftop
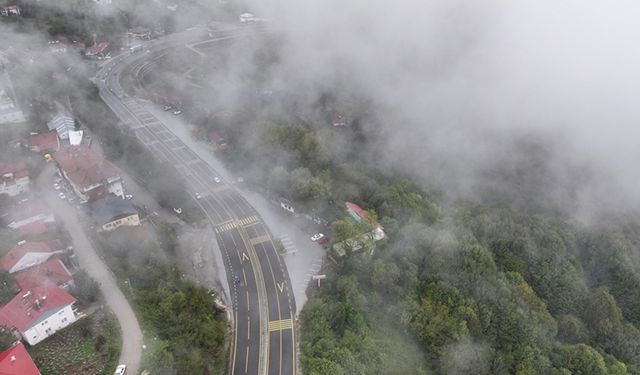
{"x": 14, "y": 255}
{"x": 44, "y": 142}
{"x": 13, "y": 170}
{"x": 16, "y": 361}
{"x": 111, "y": 208}
{"x": 97, "y": 48}
{"x": 84, "y": 167}
{"x": 33, "y": 306}
{"x": 50, "y": 273}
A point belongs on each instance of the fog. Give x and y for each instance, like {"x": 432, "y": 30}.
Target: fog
{"x": 460, "y": 87}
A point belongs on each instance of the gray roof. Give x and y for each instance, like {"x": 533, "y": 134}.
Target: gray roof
{"x": 110, "y": 208}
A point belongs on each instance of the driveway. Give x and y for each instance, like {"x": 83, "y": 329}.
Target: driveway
{"x": 90, "y": 261}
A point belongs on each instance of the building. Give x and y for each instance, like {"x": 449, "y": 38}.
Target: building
{"x": 62, "y": 124}
{"x": 339, "y": 120}
{"x": 14, "y": 178}
{"x": 57, "y": 47}
{"x": 139, "y": 33}
{"x": 359, "y": 215}
{"x": 29, "y": 254}
{"x": 17, "y": 361}
{"x": 217, "y": 140}
{"x": 89, "y": 174}
{"x": 24, "y": 215}
{"x": 50, "y": 273}
{"x": 10, "y": 10}
{"x": 112, "y": 212}
{"x": 97, "y": 51}
{"x": 44, "y": 142}
{"x": 39, "y": 313}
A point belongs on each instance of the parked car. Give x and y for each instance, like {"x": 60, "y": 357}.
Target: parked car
{"x": 120, "y": 370}
{"x": 177, "y": 112}
{"x": 56, "y": 186}
{"x": 62, "y": 196}
{"x": 317, "y": 237}
{"x": 166, "y": 108}
{"x": 128, "y": 196}
{"x": 217, "y": 179}
{"x": 198, "y": 196}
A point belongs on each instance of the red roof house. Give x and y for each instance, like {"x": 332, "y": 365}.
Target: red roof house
{"x": 50, "y": 273}
{"x": 14, "y": 178}
{"x": 30, "y": 212}
{"x": 97, "y": 50}
{"x": 39, "y": 313}
{"x": 29, "y": 254}
{"x": 16, "y": 361}
{"x": 44, "y": 142}
{"x": 90, "y": 175}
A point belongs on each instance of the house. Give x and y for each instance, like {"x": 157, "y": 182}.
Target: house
{"x": 14, "y": 178}
{"x": 38, "y": 313}
{"x": 10, "y": 10}
{"x": 51, "y": 272}
{"x": 29, "y": 254}
{"x": 56, "y": 47}
{"x": 338, "y": 120}
{"x": 75, "y": 137}
{"x": 44, "y": 142}
{"x": 214, "y": 138}
{"x": 17, "y": 361}
{"x": 359, "y": 215}
{"x": 112, "y": 212}
{"x": 62, "y": 124}
{"x": 33, "y": 212}
{"x": 97, "y": 51}
{"x": 89, "y": 174}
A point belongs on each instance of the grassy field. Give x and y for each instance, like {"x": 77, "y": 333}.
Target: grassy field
{"x": 89, "y": 346}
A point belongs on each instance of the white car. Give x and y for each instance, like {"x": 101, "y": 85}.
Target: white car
{"x": 317, "y": 237}
{"x": 120, "y": 370}
{"x": 177, "y": 112}
{"x": 217, "y": 179}
{"x": 56, "y": 186}
{"x": 128, "y": 196}
{"x": 198, "y": 196}
{"x": 62, "y": 196}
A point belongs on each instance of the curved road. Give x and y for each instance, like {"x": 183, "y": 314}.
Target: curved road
{"x": 264, "y": 307}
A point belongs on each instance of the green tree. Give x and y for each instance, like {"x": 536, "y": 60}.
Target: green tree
{"x": 582, "y": 359}
{"x": 8, "y": 288}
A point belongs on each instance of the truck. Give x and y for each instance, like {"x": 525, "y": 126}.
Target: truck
{"x": 136, "y": 48}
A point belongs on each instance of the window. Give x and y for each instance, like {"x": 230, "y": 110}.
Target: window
{"x": 48, "y": 331}
{"x": 64, "y": 320}
{"x": 61, "y": 312}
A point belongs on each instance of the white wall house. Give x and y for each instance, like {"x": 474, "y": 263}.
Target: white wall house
{"x": 29, "y": 254}
{"x": 14, "y": 178}
{"x": 46, "y": 326}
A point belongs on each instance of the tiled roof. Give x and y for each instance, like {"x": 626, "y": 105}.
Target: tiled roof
{"x": 16, "y": 361}
{"x": 15, "y": 254}
{"x": 18, "y": 169}
{"x": 49, "y": 273}
{"x": 44, "y": 142}
{"x": 111, "y": 208}
{"x": 34, "y": 228}
{"x": 26, "y": 309}
{"x": 97, "y": 48}
{"x": 84, "y": 167}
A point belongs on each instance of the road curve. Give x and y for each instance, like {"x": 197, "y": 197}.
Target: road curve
{"x": 264, "y": 307}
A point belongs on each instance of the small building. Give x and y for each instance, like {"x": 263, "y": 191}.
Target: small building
{"x": 50, "y": 273}
{"x": 139, "y": 33}
{"x": 39, "y": 313}
{"x": 97, "y": 51}
{"x": 89, "y": 174}
{"x": 359, "y": 215}
{"x": 62, "y": 124}
{"x": 112, "y": 212}
{"x": 17, "y": 361}
{"x": 339, "y": 120}
{"x": 57, "y": 47}
{"x": 215, "y": 139}
{"x": 44, "y": 142}
{"x": 14, "y": 178}
{"x": 33, "y": 212}
{"x": 10, "y": 10}
{"x": 29, "y": 254}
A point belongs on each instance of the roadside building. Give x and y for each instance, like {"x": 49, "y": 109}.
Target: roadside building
{"x": 26, "y": 215}
{"x": 57, "y": 47}
{"x": 91, "y": 176}
{"x": 39, "y": 313}
{"x": 9, "y": 111}
{"x": 44, "y": 142}
{"x": 17, "y": 361}
{"x": 215, "y": 139}
{"x": 10, "y": 10}
{"x": 339, "y": 120}
{"x": 97, "y": 51}
{"x": 139, "y": 33}
{"x": 112, "y": 212}
{"x": 29, "y": 254}
{"x": 50, "y": 273}
{"x": 14, "y": 178}
{"x": 359, "y": 215}
{"x": 62, "y": 124}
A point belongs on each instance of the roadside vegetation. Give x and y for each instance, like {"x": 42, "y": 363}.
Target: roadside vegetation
{"x": 188, "y": 331}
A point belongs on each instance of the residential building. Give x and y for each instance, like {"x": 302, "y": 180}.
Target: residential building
{"x": 89, "y": 174}
{"x": 56, "y": 47}
{"x": 44, "y": 142}
{"x": 17, "y": 361}
{"x": 14, "y": 178}
{"x": 112, "y": 212}
{"x": 29, "y": 254}
{"x": 38, "y": 313}
{"x": 51, "y": 272}
{"x": 97, "y": 51}
{"x": 10, "y": 10}
{"x": 359, "y": 215}
{"x": 75, "y": 137}
{"x": 139, "y": 33}
{"x": 33, "y": 212}
{"x": 339, "y": 120}
{"x": 62, "y": 124}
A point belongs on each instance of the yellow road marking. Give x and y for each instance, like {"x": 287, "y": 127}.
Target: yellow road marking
{"x": 280, "y": 325}
{"x": 261, "y": 239}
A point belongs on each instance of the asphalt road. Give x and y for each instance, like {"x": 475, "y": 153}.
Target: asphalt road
{"x": 90, "y": 261}
{"x": 264, "y": 307}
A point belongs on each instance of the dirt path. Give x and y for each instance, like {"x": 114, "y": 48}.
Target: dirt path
{"x": 90, "y": 261}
